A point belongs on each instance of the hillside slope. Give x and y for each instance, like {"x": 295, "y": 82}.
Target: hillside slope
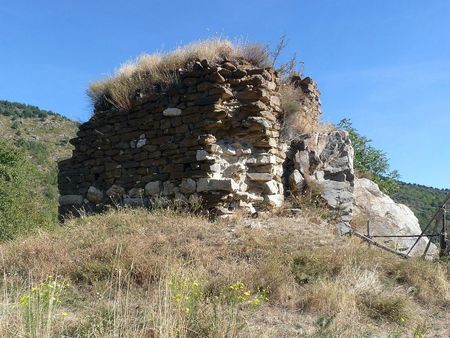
{"x": 41, "y": 138}
{"x": 44, "y": 135}
{"x": 133, "y": 273}
{"x": 422, "y": 200}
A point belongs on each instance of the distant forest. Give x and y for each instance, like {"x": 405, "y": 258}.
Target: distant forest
{"x": 422, "y": 200}
{"x": 20, "y": 110}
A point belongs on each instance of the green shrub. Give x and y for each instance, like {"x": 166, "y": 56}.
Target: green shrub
{"x": 36, "y": 149}
{"x": 22, "y": 205}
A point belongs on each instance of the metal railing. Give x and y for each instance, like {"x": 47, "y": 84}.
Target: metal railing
{"x": 439, "y": 216}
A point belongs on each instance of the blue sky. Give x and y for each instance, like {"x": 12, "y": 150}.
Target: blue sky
{"x": 385, "y": 64}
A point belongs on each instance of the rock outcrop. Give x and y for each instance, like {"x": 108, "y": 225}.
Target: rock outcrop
{"x": 388, "y": 218}
{"x": 323, "y": 162}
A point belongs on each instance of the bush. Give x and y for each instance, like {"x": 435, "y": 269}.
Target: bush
{"x": 369, "y": 161}
{"x": 22, "y": 207}
{"x": 37, "y": 150}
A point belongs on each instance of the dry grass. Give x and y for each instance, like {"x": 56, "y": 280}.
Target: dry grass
{"x": 128, "y": 268}
{"x": 149, "y": 71}
{"x": 298, "y": 118}
{"x": 153, "y": 72}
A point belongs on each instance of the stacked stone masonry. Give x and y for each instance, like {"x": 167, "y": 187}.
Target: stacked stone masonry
{"x": 214, "y": 135}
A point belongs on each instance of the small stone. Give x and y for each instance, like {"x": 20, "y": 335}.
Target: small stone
{"x": 239, "y": 73}
{"x": 168, "y": 188}
{"x": 262, "y": 160}
{"x": 275, "y": 101}
{"x": 249, "y": 197}
{"x": 141, "y": 142}
{"x": 136, "y": 192}
{"x": 180, "y": 197}
{"x": 203, "y": 155}
{"x": 247, "y": 95}
{"x": 115, "y": 191}
{"x": 271, "y": 85}
{"x": 134, "y": 201}
{"x": 274, "y": 201}
{"x": 71, "y": 200}
{"x": 229, "y": 66}
{"x": 263, "y": 177}
{"x": 205, "y": 63}
{"x": 296, "y": 182}
{"x": 246, "y": 206}
{"x": 220, "y": 184}
{"x": 302, "y": 162}
{"x": 172, "y": 112}
{"x": 188, "y": 186}
{"x": 215, "y": 167}
{"x": 153, "y": 188}
{"x": 271, "y": 187}
{"x": 216, "y": 77}
{"x": 94, "y": 195}
{"x": 228, "y": 150}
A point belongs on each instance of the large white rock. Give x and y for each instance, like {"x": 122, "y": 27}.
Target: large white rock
{"x": 324, "y": 163}
{"x": 388, "y": 218}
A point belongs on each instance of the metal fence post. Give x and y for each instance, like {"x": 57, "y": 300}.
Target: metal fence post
{"x": 443, "y": 238}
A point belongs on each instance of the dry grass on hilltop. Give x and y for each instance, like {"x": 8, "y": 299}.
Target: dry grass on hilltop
{"x": 160, "y": 69}
{"x": 152, "y": 72}
{"x": 166, "y": 274}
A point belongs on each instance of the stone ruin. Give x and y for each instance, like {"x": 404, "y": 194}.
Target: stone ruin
{"x": 214, "y": 137}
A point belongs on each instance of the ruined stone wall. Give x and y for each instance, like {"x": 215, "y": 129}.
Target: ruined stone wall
{"x": 214, "y": 135}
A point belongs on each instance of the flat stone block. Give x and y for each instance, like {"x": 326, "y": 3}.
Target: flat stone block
{"x": 221, "y": 184}
{"x": 261, "y": 177}
{"x": 71, "y": 200}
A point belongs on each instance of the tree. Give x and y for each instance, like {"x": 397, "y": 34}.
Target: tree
{"x": 369, "y": 161}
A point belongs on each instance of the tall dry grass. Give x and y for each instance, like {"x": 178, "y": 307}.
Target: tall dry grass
{"x": 133, "y": 273}
{"x": 161, "y": 69}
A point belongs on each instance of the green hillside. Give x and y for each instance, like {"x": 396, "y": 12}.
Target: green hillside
{"x": 422, "y": 200}
{"x": 31, "y": 144}
{"x": 44, "y": 135}
{"x": 16, "y": 110}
